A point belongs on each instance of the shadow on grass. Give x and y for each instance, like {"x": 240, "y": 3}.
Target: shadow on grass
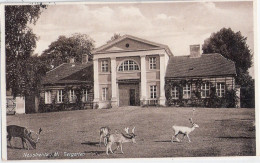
{"x": 15, "y": 147}
{"x": 95, "y": 152}
{"x": 91, "y": 143}
{"x": 237, "y": 137}
{"x": 165, "y": 141}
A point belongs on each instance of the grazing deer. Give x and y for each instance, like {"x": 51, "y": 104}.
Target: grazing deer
{"x": 183, "y": 130}
{"x": 104, "y": 131}
{"x": 24, "y": 134}
{"x": 119, "y": 139}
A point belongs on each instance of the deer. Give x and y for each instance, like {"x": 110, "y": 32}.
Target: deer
{"x": 24, "y": 134}
{"x": 119, "y": 139}
{"x": 183, "y": 130}
{"x": 103, "y": 132}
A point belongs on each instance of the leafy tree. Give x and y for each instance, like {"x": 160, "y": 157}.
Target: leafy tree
{"x": 114, "y": 37}
{"x": 232, "y": 45}
{"x": 64, "y": 48}
{"x": 20, "y": 43}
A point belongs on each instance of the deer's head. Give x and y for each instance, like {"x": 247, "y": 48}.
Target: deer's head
{"x": 193, "y": 124}
{"x": 36, "y": 134}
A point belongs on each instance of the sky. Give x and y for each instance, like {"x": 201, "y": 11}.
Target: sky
{"x": 176, "y": 24}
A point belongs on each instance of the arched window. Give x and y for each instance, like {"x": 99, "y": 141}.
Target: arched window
{"x": 128, "y": 65}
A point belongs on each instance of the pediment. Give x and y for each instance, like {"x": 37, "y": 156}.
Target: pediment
{"x": 128, "y": 43}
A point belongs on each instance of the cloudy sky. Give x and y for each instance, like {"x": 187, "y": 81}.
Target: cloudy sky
{"x": 177, "y": 25}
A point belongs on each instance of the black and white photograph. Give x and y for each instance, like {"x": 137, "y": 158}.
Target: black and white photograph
{"x": 137, "y": 79}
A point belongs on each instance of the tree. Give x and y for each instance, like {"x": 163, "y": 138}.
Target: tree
{"x": 232, "y": 45}
{"x": 114, "y": 37}
{"x": 20, "y": 43}
{"x": 64, "y": 48}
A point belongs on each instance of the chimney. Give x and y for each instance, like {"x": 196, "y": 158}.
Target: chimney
{"x": 84, "y": 58}
{"x": 195, "y": 51}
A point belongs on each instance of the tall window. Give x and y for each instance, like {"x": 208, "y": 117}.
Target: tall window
{"x": 72, "y": 96}
{"x": 220, "y": 89}
{"x": 153, "y": 91}
{"x": 84, "y": 95}
{"x": 104, "y": 66}
{"x": 47, "y": 97}
{"x": 205, "y": 90}
{"x": 104, "y": 94}
{"x": 175, "y": 92}
{"x": 187, "y": 91}
{"x": 152, "y": 62}
{"x": 128, "y": 65}
{"x": 59, "y": 96}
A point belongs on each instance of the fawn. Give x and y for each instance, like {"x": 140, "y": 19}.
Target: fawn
{"x": 183, "y": 130}
{"x": 23, "y": 133}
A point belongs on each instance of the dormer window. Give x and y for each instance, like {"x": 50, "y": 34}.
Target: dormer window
{"x": 127, "y": 45}
{"x": 128, "y": 65}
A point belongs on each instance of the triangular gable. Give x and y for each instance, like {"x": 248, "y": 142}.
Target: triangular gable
{"x": 129, "y": 43}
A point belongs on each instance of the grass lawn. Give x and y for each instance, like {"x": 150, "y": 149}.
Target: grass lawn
{"x": 221, "y": 132}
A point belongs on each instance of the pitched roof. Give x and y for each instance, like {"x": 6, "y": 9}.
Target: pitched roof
{"x": 207, "y": 65}
{"x": 70, "y": 73}
{"x": 111, "y": 43}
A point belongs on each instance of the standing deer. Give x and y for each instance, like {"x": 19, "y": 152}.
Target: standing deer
{"x": 183, "y": 130}
{"x": 24, "y": 134}
{"x": 119, "y": 139}
{"x": 104, "y": 131}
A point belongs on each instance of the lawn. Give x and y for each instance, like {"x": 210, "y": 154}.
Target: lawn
{"x": 221, "y": 132}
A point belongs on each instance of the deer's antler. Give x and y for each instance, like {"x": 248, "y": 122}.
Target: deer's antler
{"x": 191, "y": 120}
{"x": 127, "y": 130}
{"x": 133, "y": 130}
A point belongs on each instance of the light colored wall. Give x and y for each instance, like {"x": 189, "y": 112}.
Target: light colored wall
{"x": 20, "y": 105}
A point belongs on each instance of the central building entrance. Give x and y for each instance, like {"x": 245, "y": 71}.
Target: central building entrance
{"x": 129, "y": 94}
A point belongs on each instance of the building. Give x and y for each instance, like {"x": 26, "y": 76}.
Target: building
{"x": 130, "y": 71}
{"x": 192, "y": 80}
{"x": 67, "y": 87}
{"x": 14, "y": 105}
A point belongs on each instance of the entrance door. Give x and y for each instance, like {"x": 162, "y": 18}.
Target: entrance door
{"x": 132, "y": 97}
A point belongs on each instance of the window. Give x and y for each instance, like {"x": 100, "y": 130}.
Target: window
{"x": 104, "y": 66}
{"x": 84, "y": 95}
{"x": 153, "y": 91}
{"x": 59, "y": 96}
{"x": 220, "y": 89}
{"x": 72, "y": 96}
{"x": 186, "y": 91}
{"x": 152, "y": 62}
{"x": 175, "y": 92}
{"x": 128, "y": 65}
{"x": 47, "y": 97}
{"x": 205, "y": 90}
{"x": 104, "y": 94}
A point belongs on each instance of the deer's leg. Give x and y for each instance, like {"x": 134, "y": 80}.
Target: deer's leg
{"x": 178, "y": 140}
{"x": 110, "y": 147}
{"x": 183, "y": 137}
{"x": 24, "y": 140}
{"x": 9, "y": 140}
{"x": 188, "y": 138}
{"x": 100, "y": 140}
{"x": 121, "y": 147}
{"x": 105, "y": 141}
{"x": 107, "y": 149}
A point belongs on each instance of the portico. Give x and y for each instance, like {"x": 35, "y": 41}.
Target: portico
{"x": 129, "y": 71}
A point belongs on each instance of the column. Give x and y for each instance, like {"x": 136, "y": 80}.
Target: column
{"x": 113, "y": 83}
{"x": 96, "y": 84}
{"x": 162, "y": 80}
{"x": 143, "y": 81}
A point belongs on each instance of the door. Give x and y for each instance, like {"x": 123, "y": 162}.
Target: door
{"x": 132, "y": 97}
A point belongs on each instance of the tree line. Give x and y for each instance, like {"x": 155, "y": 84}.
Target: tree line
{"x": 24, "y": 69}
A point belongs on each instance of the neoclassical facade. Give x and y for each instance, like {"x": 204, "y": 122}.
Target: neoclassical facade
{"x": 130, "y": 71}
